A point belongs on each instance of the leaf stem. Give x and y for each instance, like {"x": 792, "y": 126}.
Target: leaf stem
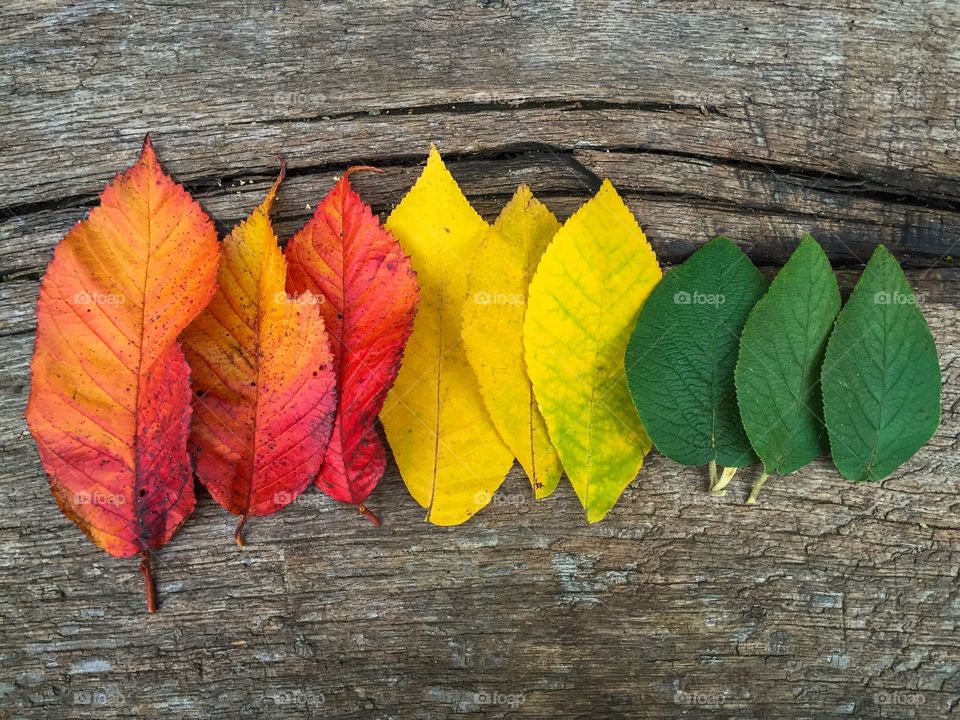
{"x": 720, "y": 487}
{"x": 713, "y": 475}
{"x": 752, "y": 500}
{"x": 148, "y": 585}
{"x": 238, "y": 535}
{"x": 368, "y": 513}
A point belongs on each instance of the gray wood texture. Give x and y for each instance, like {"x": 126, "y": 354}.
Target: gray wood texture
{"x": 762, "y": 119}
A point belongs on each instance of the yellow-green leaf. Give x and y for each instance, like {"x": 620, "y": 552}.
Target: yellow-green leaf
{"x": 449, "y": 453}
{"x": 493, "y": 332}
{"x": 583, "y": 302}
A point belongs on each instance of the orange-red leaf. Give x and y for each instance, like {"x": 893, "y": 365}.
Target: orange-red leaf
{"x": 110, "y": 400}
{"x": 262, "y": 378}
{"x": 370, "y": 296}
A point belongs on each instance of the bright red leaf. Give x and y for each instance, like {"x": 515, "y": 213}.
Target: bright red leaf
{"x": 370, "y": 296}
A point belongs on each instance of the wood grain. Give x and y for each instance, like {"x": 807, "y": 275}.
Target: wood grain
{"x": 760, "y": 119}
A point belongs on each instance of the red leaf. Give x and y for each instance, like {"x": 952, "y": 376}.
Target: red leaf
{"x": 262, "y": 377}
{"x": 370, "y": 298}
{"x": 110, "y": 400}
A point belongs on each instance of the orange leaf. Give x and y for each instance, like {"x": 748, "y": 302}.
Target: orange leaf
{"x": 110, "y": 400}
{"x": 262, "y": 376}
{"x": 370, "y": 298}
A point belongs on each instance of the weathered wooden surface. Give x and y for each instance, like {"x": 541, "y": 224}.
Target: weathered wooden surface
{"x": 760, "y": 119}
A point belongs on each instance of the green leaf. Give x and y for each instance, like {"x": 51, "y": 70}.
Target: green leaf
{"x": 682, "y": 354}
{"x": 881, "y": 376}
{"x": 781, "y": 353}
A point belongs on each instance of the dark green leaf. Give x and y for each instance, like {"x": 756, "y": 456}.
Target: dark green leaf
{"x": 881, "y": 376}
{"x": 682, "y": 353}
{"x": 781, "y": 353}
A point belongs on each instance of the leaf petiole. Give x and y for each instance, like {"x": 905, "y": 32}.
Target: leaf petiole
{"x": 720, "y": 486}
{"x": 752, "y": 500}
{"x": 238, "y": 534}
{"x": 369, "y": 514}
{"x": 148, "y": 585}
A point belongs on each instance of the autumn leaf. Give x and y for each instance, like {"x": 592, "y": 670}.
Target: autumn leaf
{"x": 369, "y": 295}
{"x": 682, "y": 354}
{"x": 447, "y": 448}
{"x": 110, "y": 400}
{"x": 881, "y": 375}
{"x": 583, "y": 302}
{"x": 263, "y": 379}
{"x": 778, "y": 368}
{"x": 500, "y": 275}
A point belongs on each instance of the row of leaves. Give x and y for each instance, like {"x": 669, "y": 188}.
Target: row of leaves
{"x": 474, "y": 344}
{"x": 724, "y": 370}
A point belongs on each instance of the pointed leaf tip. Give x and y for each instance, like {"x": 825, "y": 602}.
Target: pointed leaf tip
{"x": 271, "y": 195}
{"x": 361, "y": 168}
{"x": 147, "y": 152}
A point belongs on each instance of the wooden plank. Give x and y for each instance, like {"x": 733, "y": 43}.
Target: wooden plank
{"x": 823, "y": 600}
{"x": 760, "y": 119}
{"x": 826, "y": 87}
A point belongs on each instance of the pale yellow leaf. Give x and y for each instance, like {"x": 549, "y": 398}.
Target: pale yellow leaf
{"x": 499, "y": 278}
{"x": 449, "y": 453}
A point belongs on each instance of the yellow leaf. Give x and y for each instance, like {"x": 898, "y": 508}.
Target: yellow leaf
{"x": 493, "y": 332}
{"x": 582, "y": 305}
{"x": 448, "y": 451}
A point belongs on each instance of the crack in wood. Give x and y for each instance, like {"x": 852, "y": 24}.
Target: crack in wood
{"x": 828, "y": 182}
{"x": 498, "y": 102}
